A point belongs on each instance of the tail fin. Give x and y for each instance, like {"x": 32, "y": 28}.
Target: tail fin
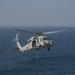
{"x": 18, "y": 44}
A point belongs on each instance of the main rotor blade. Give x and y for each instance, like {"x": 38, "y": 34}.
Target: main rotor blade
{"x": 53, "y": 32}
{"x": 29, "y": 32}
{"x": 39, "y": 33}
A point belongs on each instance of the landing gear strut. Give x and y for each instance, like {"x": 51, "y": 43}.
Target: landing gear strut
{"x": 37, "y": 54}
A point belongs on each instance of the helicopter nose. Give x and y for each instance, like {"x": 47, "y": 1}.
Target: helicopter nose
{"x": 51, "y": 42}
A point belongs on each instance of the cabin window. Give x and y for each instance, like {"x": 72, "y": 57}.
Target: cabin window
{"x": 41, "y": 39}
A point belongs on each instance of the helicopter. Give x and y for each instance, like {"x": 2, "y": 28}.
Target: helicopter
{"x": 36, "y": 42}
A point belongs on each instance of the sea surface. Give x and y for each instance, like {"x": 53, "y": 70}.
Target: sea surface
{"x": 60, "y": 60}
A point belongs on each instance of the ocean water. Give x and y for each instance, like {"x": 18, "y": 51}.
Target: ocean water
{"x": 60, "y": 60}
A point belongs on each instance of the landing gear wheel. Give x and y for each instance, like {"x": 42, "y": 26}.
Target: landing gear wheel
{"x": 48, "y": 49}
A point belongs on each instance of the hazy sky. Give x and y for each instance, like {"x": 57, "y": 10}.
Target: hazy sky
{"x": 37, "y": 12}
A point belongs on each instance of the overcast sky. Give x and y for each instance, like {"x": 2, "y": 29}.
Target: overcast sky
{"x": 37, "y": 12}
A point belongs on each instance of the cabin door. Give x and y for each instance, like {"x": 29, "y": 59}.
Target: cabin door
{"x": 34, "y": 43}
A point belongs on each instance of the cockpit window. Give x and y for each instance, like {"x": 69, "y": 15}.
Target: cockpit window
{"x": 46, "y": 38}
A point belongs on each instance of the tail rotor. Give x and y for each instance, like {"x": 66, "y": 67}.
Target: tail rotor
{"x": 16, "y": 38}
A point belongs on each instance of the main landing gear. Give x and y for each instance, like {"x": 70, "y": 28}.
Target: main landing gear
{"x": 48, "y": 48}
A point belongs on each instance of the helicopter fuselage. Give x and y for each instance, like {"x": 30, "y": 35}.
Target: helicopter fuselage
{"x": 36, "y": 43}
